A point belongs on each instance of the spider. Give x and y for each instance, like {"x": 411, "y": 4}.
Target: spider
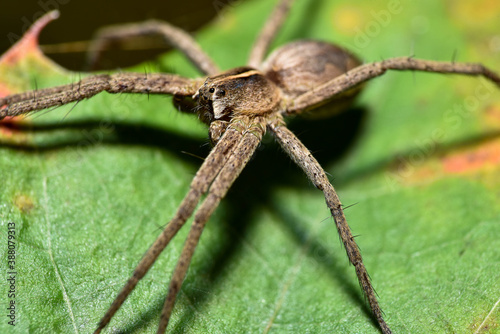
{"x": 239, "y": 105}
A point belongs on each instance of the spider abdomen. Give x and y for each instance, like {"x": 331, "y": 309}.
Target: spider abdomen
{"x": 301, "y": 66}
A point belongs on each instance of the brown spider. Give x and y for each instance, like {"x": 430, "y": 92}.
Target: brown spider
{"x": 239, "y": 105}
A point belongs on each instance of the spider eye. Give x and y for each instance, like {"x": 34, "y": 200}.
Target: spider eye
{"x": 222, "y": 92}
{"x": 211, "y": 90}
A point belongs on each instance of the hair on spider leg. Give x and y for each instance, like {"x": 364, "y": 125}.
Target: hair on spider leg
{"x": 194, "y": 155}
{"x": 39, "y": 114}
{"x": 454, "y": 56}
{"x": 35, "y": 82}
{"x": 70, "y": 110}
{"x": 345, "y": 207}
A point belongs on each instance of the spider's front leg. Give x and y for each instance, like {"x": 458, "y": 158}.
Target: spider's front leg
{"x": 214, "y": 177}
{"x": 253, "y": 133}
{"x": 24, "y": 103}
{"x": 242, "y": 99}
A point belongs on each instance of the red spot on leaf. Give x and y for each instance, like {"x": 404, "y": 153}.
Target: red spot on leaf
{"x": 26, "y": 47}
{"x": 484, "y": 156}
{"x": 9, "y": 126}
{"x": 28, "y": 44}
{"x": 4, "y": 90}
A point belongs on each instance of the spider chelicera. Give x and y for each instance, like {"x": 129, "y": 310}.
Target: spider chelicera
{"x": 239, "y": 106}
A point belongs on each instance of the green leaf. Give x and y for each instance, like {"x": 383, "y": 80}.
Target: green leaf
{"x": 89, "y": 187}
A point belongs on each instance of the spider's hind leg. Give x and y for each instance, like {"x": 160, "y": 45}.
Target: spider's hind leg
{"x": 363, "y": 73}
{"x": 174, "y": 36}
{"x": 268, "y": 33}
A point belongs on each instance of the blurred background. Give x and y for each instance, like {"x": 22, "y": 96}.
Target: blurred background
{"x": 66, "y": 39}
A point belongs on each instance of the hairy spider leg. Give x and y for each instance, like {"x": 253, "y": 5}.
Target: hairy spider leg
{"x": 237, "y": 161}
{"x": 202, "y": 182}
{"x": 366, "y": 72}
{"x": 176, "y": 37}
{"x": 23, "y": 103}
{"x": 268, "y": 33}
{"x": 311, "y": 167}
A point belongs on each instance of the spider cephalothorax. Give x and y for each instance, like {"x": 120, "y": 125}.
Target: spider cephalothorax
{"x": 240, "y": 91}
{"x": 290, "y": 71}
{"x": 304, "y": 77}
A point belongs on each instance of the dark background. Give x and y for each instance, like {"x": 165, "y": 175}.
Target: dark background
{"x": 80, "y": 19}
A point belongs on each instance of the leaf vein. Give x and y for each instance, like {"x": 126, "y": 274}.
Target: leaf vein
{"x": 51, "y": 256}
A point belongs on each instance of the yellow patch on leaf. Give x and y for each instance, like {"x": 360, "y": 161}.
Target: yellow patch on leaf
{"x": 24, "y": 203}
{"x": 346, "y": 18}
{"x": 492, "y": 116}
{"x": 473, "y": 12}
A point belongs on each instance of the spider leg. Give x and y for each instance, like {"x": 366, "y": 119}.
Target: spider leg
{"x": 363, "y": 73}
{"x": 268, "y": 33}
{"x": 23, "y": 103}
{"x": 176, "y": 37}
{"x": 217, "y": 191}
{"x": 203, "y": 180}
{"x": 303, "y": 158}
